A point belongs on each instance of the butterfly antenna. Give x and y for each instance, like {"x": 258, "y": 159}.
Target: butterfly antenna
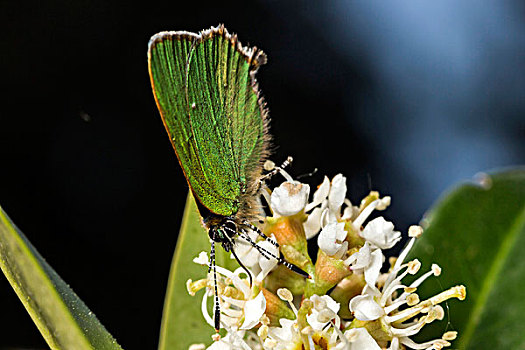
{"x": 217, "y": 314}
{"x": 269, "y": 165}
{"x": 268, "y": 254}
{"x": 260, "y": 233}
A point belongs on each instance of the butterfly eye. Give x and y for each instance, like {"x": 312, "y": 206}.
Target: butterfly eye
{"x": 230, "y": 228}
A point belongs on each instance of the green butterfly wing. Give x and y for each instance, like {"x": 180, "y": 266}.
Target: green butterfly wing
{"x": 205, "y": 89}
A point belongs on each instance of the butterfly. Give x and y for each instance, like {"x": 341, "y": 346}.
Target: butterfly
{"x": 205, "y": 88}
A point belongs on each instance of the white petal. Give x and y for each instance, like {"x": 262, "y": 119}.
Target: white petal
{"x": 331, "y": 303}
{"x": 373, "y": 269}
{"x": 220, "y": 345}
{"x": 253, "y": 311}
{"x": 285, "y": 332}
{"x": 320, "y": 194}
{"x": 361, "y": 259}
{"x": 249, "y": 258}
{"x": 200, "y": 346}
{"x": 322, "y": 304}
{"x": 312, "y": 321}
{"x": 337, "y": 194}
{"x": 368, "y": 290}
{"x": 267, "y": 264}
{"x": 232, "y": 341}
{"x": 202, "y": 259}
{"x": 240, "y": 284}
{"x": 326, "y": 217}
{"x": 360, "y": 339}
{"x": 313, "y": 223}
{"x": 350, "y": 212}
{"x": 289, "y": 198}
{"x": 381, "y": 233}
{"x": 330, "y": 237}
{"x": 248, "y": 255}
{"x": 394, "y": 344}
{"x": 365, "y": 308}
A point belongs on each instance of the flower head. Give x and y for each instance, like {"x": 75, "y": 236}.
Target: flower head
{"x": 395, "y": 305}
{"x": 346, "y": 303}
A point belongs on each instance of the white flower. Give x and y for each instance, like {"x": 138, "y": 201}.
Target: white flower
{"x": 325, "y": 309}
{"x": 332, "y": 238}
{"x": 361, "y": 259}
{"x": 365, "y": 308}
{"x": 258, "y": 264}
{"x": 381, "y": 233}
{"x": 386, "y": 313}
{"x": 289, "y": 198}
{"x": 286, "y": 333}
{"x": 335, "y": 201}
{"x": 313, "y": 222}
{"x": 201, "y": 259}
{"x": 327, "y": 205}
{"x": 360, "y": 339}
{"x": 367, "y": 261}
{"x": 378, "y": 204}
{"x": 322, "y": 321}
{"x": 374, "y": 304}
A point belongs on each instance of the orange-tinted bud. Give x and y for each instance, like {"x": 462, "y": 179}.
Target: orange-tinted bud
{"x": 276, "y": 308}
{"x": 328, "y": 272}
{"x": 288, "y": 230}
{"x": 289, "y": 233}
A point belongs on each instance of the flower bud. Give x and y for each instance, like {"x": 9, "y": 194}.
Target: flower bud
{"x": 276, "y": 308}
{"x": 289, "y": 233}
{"x": 328, "y": 272}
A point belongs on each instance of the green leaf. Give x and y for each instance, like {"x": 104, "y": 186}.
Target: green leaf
{"x": 182, "y": 320}
{"x": 477, "y": 235}
{"x": 62, "y": 318}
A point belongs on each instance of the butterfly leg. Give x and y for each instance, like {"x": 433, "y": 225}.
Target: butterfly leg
{"x": 230, "y": 246}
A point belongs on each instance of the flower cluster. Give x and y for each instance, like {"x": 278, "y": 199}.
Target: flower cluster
{"x": 347, "y": 303}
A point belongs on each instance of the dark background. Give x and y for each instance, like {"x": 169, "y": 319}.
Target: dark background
{"x": 404, "y": 97}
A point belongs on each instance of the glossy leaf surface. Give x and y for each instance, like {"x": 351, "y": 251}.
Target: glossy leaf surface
{"x": 477, "y": 235}
{"x": 63, "y": 319}
{"x": 182, "y": 320}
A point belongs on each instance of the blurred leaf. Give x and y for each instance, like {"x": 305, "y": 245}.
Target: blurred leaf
{"x": 477, "y": 235}
{"x": 182, "y": 320}
{"x": 62, "y": 318}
